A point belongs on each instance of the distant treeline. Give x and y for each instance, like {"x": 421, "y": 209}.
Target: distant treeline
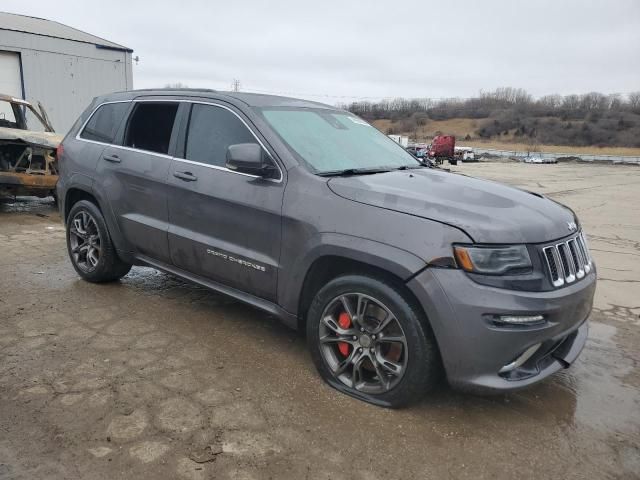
{"x": 587, "y": 119}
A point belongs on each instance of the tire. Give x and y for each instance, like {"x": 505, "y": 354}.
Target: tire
{"x": 419, "y": 357}
{"x": 89, "y": 245}
{"x": 453, "y": 162}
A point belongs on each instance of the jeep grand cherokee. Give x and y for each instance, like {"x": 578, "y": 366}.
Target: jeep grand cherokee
{"x": 397, "y": 272}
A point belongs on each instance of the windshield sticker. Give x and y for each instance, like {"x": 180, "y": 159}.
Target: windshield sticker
{"x": 333, "y": 121}
{"x": 359, "y": 121}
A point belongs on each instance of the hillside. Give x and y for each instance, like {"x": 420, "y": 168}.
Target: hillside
{"x": 510, "y": 118}
{"x": 460, "y": 127}
{"x": 465, "y": 130}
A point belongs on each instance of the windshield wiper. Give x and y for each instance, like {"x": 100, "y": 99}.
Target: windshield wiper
{"x": 352, "y": 171}
{"x": 412, "y": 167}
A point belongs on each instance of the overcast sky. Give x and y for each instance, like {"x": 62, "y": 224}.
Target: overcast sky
{"x": 335, "y": 51}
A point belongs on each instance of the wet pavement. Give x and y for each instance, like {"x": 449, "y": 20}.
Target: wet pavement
{"x": 152, "y": 377}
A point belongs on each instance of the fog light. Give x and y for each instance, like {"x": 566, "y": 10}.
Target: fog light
{"x": 521, "y": 319}
{"x": 518, "y": 362}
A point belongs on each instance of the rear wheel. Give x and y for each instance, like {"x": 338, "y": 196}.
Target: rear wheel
{"x": 89, "y": 245}
{"x": 368, "y": 340}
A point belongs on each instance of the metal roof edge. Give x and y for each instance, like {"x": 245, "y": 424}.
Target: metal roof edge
{"x": 108, "y": 45}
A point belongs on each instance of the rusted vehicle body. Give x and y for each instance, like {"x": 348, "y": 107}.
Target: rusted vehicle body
{"x": 28, "y": 145}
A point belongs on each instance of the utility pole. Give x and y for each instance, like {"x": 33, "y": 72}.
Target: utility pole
{"x": 235, "y": 86}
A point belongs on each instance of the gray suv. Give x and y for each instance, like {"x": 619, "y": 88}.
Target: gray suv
{"x": 396, "y": 272}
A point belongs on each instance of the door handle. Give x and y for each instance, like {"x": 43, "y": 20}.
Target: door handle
{"x": 112, "y": 158}
{"x": 186, "y": 176}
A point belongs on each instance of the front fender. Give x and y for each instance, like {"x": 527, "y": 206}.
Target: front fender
{"x": 396, "y": 261}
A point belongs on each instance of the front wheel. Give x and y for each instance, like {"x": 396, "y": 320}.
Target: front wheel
{"x": 369, "y": 340}
{"x": 91, "y": 251}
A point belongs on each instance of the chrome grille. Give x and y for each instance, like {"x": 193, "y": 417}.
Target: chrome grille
{"x": 568, "y": 261}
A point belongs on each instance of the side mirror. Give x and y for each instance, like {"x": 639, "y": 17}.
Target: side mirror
{"x": 247, "y": 158}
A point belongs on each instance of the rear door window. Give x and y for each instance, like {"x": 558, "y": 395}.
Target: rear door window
{"x": 150, "y": 126}
{"x": 210, "y": 132}
{"x": 104, "y": 123}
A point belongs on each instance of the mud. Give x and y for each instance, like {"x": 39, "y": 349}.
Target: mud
{"x": 152, "y": 377}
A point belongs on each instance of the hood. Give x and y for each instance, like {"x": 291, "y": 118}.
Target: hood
{"x": 40, "y": 139}
{"x": 488, "y": 212}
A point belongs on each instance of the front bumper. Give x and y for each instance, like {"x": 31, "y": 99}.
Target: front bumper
{"x": 474, "y": 349}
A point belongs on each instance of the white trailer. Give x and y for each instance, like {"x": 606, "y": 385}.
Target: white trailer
{"x": 401, "y": 140}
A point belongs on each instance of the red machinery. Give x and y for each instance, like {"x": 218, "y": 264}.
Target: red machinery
{"x": 442, "y": 148}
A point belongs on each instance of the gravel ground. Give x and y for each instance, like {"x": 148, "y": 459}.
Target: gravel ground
{"x": 154, "y": 378}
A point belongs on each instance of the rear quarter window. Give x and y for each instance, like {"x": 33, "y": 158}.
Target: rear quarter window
{"x": 103, "y": 124}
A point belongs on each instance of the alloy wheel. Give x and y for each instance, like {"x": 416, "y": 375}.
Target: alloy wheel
{"x": 363, "y": 343}
{"x": 84, "y": 240}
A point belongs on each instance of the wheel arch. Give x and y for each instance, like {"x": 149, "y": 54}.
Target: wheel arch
{"x": 78, "y": 192}
{"x": 373, "y": 259}
{"x": 73, "y": 195}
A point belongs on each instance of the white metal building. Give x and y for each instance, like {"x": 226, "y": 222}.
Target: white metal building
{"x": 64, "y": 68}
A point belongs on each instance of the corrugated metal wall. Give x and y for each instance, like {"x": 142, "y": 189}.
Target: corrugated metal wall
{"x": 66, "y": 75}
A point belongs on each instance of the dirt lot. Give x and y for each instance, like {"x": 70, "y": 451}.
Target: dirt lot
{"x": 155, "y": 378}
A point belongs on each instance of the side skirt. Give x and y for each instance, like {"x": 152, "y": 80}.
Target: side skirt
{"x": 287, "y": 318}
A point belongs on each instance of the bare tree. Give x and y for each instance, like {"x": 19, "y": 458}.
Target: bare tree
{"x": 551, "y": 102}
{"x": 634, "y": 102}
{"x": 616, "y": 102}
{"x": 588, "y": 119}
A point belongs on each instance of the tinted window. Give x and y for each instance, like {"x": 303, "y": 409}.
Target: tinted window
{"x": 104, "y": 123}
{"x": 211, "y": 131}
{"x": 150, "y": 126}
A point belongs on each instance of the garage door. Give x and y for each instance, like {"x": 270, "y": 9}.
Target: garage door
{"x": 10, "y": 81}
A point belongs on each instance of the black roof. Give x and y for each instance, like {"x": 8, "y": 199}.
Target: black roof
{"x": 251, "y": 99}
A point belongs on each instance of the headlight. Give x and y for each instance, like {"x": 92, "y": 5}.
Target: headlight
{"x": 492, "y": 260}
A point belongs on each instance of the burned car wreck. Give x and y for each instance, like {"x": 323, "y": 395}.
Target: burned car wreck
{"x": 27, "y": 149}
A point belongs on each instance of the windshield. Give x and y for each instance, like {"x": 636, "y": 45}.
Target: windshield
{"x": 7, "y": 115}
{"x": 21, "y": 116}
{"x": 329, "y": 140}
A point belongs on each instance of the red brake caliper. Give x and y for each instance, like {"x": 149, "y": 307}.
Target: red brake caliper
{"x": 345, "y": 322}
